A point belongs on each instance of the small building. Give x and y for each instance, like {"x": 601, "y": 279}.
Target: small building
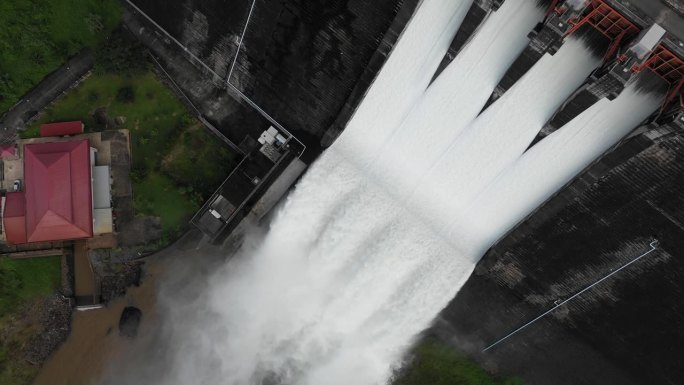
{"x": 8, "y": 151}
{"x": 61, "y": 128}
{"x": 272, "y": 144}
{"x": 102, "y": 200}
{"x": 56, "y": 203}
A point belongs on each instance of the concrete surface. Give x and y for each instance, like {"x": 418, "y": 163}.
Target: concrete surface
{"x": 627, "y": 330}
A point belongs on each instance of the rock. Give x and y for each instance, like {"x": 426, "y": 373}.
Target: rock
{"x": 100, "y": 116}
{"x": 54, "y": 316}
{"x": 129, "y": 322}
{"x": 115, "y": 283}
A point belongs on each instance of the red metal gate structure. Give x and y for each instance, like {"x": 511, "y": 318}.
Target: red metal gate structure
{"x": 668, "y": 66}
{"x": 607, "y": 21}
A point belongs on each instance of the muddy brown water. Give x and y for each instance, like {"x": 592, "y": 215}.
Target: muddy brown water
{"x": 94, "y": 341}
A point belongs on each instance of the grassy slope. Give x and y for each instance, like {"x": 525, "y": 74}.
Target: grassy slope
{"x": 438, "y": 364}
{"x": 38, "y": 36}
{"x": 158, "y": 195}
{"x": 23, "y": 282}
{"x": 25, "y": 279}
{"x": 154, "y": 116}
{"x": 176, "y": 162}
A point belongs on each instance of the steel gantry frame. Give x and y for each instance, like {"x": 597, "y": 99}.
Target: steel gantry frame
{"x": 606, "y": 20}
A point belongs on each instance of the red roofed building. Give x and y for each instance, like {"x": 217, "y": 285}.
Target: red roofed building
{"x": 14, "y": 217}
{"x": 61, "y": 128}
{"x": 8, "y": 151}
{"x": 57, "y": 201}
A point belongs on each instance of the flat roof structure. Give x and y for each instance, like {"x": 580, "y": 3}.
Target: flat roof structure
{"x": 102, "y": 187}
{"x": 61, "y": 128}
{"x": 57, "y": 201}
{"x": 103, "y": 221}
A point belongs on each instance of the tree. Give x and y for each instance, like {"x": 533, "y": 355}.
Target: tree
{"x": 121, "y": 54}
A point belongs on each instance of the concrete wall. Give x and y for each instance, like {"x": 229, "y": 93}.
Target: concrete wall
{"x": 627, "y": 330}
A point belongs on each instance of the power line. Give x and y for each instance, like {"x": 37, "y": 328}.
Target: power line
{"x": 244, "y": 30}
{"x": 653, "y": 244}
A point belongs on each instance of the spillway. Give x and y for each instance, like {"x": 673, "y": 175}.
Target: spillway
{"x": 404, "y": 78}
{"x": 556, "y": 159}
{"x": 388, "y": 223}
{"x": 501, "y": 134}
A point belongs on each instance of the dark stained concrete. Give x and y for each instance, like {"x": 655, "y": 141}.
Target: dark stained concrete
{"x": 664, "y": 13}
{"x": 303, "y": 62}
{"x": 303, "y": 58}
{"x": 627, "y": 330}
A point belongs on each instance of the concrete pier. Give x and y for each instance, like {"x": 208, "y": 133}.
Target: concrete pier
{"x": 476, "y": 15}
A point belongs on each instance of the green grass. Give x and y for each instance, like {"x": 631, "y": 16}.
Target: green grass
{"x": 176, "y": 162}
{"x": 154, "y": 116}
{"x": 438, "y": 364}
{"x": 158, "y": 194}
{"x": 38, "y": 36}
{"x": 25, "y": 279}
{"x": 21, "y": 282}
{"x": 198, "y": 159}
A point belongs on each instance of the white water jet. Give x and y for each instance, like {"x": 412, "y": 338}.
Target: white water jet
{"x": 555, "y": 160}
{"x": 404, "y": 77}
{"x": 456, "y": 97}
{"x": 348, "y": 275}
{"x": 500, "y": 134}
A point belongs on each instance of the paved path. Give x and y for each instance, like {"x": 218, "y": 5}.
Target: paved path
{"x": 43, "y": 94}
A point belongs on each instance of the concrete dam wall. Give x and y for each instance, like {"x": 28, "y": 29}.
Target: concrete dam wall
{"x": 309, "y": 64}
{"x": 625, "y": 330}
{"x": 306, "y": 64}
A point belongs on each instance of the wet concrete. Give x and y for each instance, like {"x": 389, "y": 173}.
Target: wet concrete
{"x": 201, "y": 91}
{"x": 301, "y": 62}
{"x": 627, "y": 330}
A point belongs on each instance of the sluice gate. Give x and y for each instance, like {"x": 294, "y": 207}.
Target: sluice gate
{"x": 652, "y": 51}
{"x": 563, "y": 20}
{"x": 630, "y": 42}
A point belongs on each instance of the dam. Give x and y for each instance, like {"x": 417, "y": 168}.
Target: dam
{"x": 535, "y": 144}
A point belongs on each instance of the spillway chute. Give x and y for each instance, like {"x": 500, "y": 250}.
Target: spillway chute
{"x": 565, "y": 19}
{"x": 651, "y": 51}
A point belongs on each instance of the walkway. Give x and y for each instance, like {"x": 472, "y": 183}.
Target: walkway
{"x": 43, "y": 94}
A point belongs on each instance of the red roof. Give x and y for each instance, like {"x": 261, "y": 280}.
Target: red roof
{"x": 14, "y": 218}
{"x": 61, "y": 128}
{"x": 57, "y": 193}
{"x": 7, "y": 151}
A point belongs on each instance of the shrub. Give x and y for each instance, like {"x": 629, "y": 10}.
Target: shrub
{"x": 125, "y": 94}
{"x": 120, "y": 54}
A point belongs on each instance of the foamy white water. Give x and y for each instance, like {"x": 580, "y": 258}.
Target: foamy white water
{"x": 555, "y": 160}
{"x": 348, "y": 274}
{"x": 311, "y": 304}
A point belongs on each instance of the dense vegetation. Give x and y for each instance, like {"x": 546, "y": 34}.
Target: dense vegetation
{"x": 23, "y": 283}
{"x": 437, "y": 364}
{"x": 37, "y": 36}
{"x": 176, "y": 163}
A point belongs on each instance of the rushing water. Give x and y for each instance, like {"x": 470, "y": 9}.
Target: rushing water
{"x": 387, "y": 225}
{"x": 451, "y": 102}
{"x": 555, "y": 160}
{"x": 501, "y": 133}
